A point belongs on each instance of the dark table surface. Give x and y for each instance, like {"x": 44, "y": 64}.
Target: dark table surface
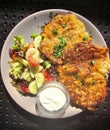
{"x": 12, "y": 117}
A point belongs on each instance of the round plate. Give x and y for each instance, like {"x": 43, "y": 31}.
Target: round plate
{"x": 29, "y": 25}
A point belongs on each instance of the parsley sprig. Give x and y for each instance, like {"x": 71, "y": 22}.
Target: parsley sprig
{"x": 58, "y": 49}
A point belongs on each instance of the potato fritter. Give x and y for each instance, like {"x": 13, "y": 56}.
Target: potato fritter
{"x": 85, "y": 82}
{"x": 81, "y": 65}
{"x": 61, "y": 33}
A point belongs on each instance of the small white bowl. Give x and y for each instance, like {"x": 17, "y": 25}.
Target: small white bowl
{"x": 52, "y": 100}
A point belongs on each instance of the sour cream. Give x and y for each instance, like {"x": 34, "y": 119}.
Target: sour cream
{"x": 52, "y": 100}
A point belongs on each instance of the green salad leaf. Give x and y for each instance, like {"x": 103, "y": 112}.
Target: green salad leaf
{"x": 19, "y": 43}
{"x": 16, "y": 69}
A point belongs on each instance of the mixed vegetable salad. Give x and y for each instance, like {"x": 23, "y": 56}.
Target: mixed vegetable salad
{"x": 28, "y": 70}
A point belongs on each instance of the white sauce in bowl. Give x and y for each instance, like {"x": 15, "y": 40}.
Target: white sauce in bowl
{"x": 52, "y": 99}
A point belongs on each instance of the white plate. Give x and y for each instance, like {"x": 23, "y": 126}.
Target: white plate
{"x": 29, "y": 25}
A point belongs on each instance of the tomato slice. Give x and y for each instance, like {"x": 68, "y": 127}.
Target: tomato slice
{"x": 47, "y": 76}
{"x": 25, "y": 89}
{"x": 32, "y": 61}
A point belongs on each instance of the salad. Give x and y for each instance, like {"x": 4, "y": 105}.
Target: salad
{"x": 28, "y": 70}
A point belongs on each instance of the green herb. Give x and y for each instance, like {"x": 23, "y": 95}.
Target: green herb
{"x": 47, "y": 64}
{"x": 77, "y": 76}
{"x": 34, "y": 35}
{"x": 42, "y": 27}
{"x": 58, "y": 49}
{"x": 63, "y": 25}
{"x": 70, "y": 37}
{"x": 93, "y": 82}
{"x": 92, "y": 62}
{"x": 85, "y": 38}
{"x": 55, "y": 31}
{"x": 63, "y": 32}
{"x": 83, "y": 81}
{"x": 51, "y": 15}
{"x": 79, "y": 54}
{"x": 62, "y": 41}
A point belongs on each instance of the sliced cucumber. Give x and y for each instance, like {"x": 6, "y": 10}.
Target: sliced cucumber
{"x": 39, "y": 79}
{"x": 37, "y": 41}
{"x": 34, "y": 70}
{"x": 33, "y": 87}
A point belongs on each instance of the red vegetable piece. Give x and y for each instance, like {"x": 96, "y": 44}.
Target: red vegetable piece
{"x": 32, "y": 61}
{"x": 47, "y": 76}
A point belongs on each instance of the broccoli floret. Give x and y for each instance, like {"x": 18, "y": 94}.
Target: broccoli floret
{"x": 16, "y": 69}
{"x": 19, "y": 43}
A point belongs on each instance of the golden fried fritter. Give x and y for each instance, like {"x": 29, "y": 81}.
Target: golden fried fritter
{"x": 61, "y": 33}
{"x": 85, "y": 82}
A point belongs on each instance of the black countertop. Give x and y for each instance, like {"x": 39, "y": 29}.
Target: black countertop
{"x": 12, "y": 117}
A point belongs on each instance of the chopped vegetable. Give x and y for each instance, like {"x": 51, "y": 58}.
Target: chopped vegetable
{"x": 51, "y": 15}
{"x": 63, "y": 25}
{"x": 47, "y": 76}
{"x": 23, "y": 61}
{"x": 55, "y": 31}
{"x": 16, "y": 69}
{"x": 19, "y": 43}
{"x": 58, "y": 49}
{"x": 34, "y": 70}
{"x": 92, "y": 62}
{"x": 47, "y": 64}
{"x": 86, "y": 37}
{"x": 77, "y": 76}
{"x": 33, "y": 57}
{"x": 33, "y": 87}
{"x": 26, "y": 75}
{"x": 83, "y": 82}
{"x": 39, "y": 77}
{"x": 32, "y": 61}
{"x": 34, "y": 35}
{"x": 37, "y": 40}
{"x": 93, "y": 82}
{"x": 24, "y": 88}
